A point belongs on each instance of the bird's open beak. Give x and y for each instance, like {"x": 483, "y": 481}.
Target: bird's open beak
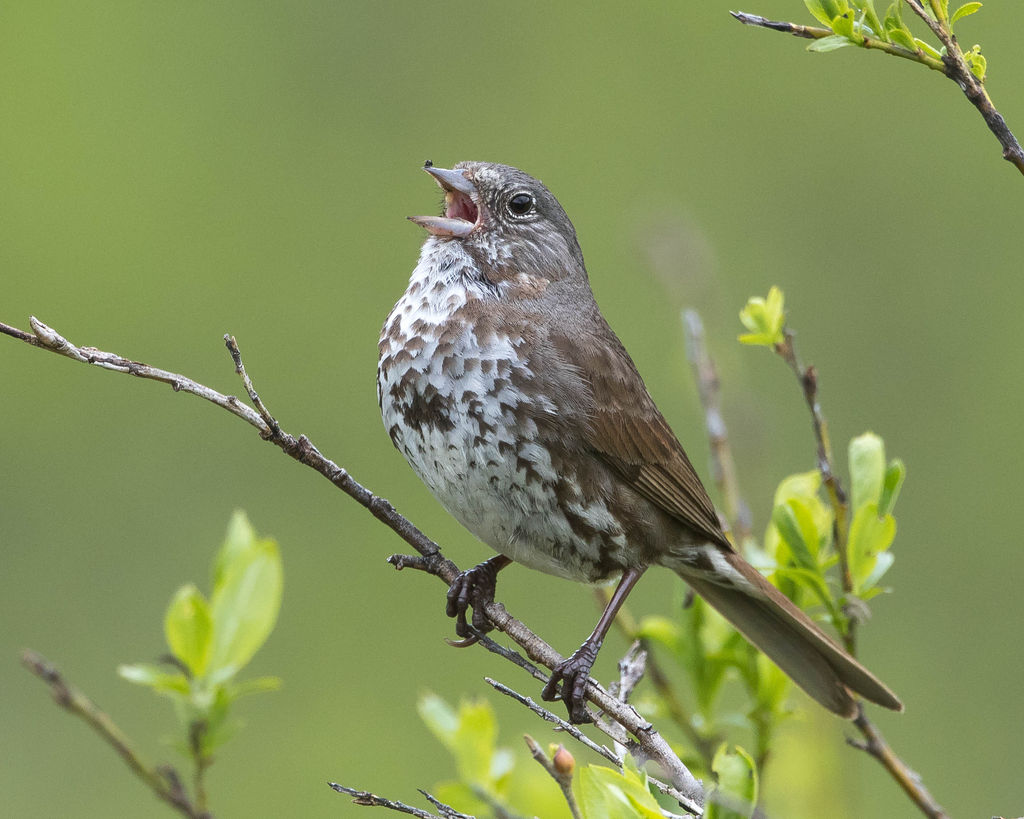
{"x": 461, "y": 213}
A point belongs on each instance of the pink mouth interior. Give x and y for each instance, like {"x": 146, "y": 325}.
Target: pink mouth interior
{"x": 460, "y": 206}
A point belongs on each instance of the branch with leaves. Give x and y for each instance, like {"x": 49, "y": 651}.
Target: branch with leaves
{"x": 857, "y": 23}
{"x": 683, "y": 785}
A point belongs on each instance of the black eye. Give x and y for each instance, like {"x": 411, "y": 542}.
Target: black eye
{"x": 521, "y": 204}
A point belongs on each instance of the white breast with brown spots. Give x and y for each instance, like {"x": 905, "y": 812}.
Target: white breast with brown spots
{"x": 446, "y": 384}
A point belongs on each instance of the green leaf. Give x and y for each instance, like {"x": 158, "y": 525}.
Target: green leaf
{"x": 904, "y": 39}
{"x": 469, "y": 735}
{"x": 246, "y": 597}
{"x": 257, "y": 685}
{"x": 870, "y": 535}
{"x": 869, "y": 587}
{"x": 867, "y": 469}
{"x": 238, "y": 539}
{"x": 822, "y": 46}
{"x": 871, "y": 17}
{"x": 765, "y": 318}
{"x": 155, "y": 677}
{"x": 737, "y": 785}
{"x": 977, "y": 63}
{"x": 604, "y": 793}
{"x": 795, "y": 524}
{"x": 188, "y": 628}
{"x": 439, "y": 717}
{"x": 963, "y": 11}
{"x": 927, "y": 49}
{"x": 817, "y": 8}
{"x": 811, "y": 580}
{"x": 843, "y": 25}
{"x": 891, "y": 486}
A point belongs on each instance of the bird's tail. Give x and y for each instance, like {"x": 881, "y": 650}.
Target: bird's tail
{"x": 769, "y": 620}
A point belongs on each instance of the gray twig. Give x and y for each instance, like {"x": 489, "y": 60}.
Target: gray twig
{"x": 373, "y": 801}
{"x": 162, "y": 780}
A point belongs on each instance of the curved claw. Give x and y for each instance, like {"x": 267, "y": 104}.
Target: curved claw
{"x": 574, "y": 674}
{"x": 474, "y": 588}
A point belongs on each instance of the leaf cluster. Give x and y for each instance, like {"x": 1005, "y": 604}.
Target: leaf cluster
{"x": 212, "y": 640}
{"x": 857, "y": 23}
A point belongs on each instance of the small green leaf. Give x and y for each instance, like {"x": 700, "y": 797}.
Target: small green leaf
{"x": 188, "y": 628}
{"x": 963, "y": 11}
{"x": 822, "y": 46}
{"x": 607, "y": 794}
{"x": 869, "y": 586}
{"x": 439, "y": 717}
{"x": 257, "y": 685}
{"x": 737, "y": 783}
{"x": 817, "y": 8}
{"x": 927, "y": 49}
{"x": 871, "y": 17}
{"x": 977, "y": 63}
{"x": 894, "y": 476}
{"x": 794, "y": 521}
{"x": 155, "y": 677}
{"x": 867, "y": 469}
{"x": 765, "y": 318}
{"x": 870, "y": 535}
{"x": 246, "y": 596}
{"x": 843, "y": 25}
{"x": 469, "y": 735}
{"x": 904, "y": 39}
{"x": 239, "y": 538}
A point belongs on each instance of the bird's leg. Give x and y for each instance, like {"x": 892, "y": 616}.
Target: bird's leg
{"x": 474, "y": 587}
{"x": 574, "y": 672}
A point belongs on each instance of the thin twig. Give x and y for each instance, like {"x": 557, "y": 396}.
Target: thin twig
{"x": 431, "y": 560}
{"x": 562, "y": 724}
{"x": 819, "y": 33}
{"x": 808, "y": 379}
{"x": 162, "y": 780}
{"x": 952, "y": 65}
{"x": 956, "y": 69}
{"x": 722, "y": 463}
{"x": 907, "y": 779}
{"x": 607, "y": 753}
{"x": 373, "y": 801}
{"x": 560, "y": 769}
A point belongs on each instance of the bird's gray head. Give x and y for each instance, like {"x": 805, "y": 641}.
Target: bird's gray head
{"x": 506, "y": 220}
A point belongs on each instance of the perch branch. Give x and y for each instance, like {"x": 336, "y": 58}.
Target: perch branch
{"x": 163, "y": 781}
{"x": 430, "y": 558}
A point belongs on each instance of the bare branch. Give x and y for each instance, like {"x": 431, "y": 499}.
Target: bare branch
{"x": 373, "y": 801}
{"x": 907, "y": 779}
{"x": 562, "y": 724}
{"x": 163, "y": 780}
{"x": 723, "y": 465}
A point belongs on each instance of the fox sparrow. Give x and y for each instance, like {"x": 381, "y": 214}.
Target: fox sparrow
{"x": 505, "y": 389}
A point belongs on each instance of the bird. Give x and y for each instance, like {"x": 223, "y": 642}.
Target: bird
{"x": 503, "y": 386}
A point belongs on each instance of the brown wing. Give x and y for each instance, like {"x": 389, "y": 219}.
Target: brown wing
{"x": 627, "y": 432}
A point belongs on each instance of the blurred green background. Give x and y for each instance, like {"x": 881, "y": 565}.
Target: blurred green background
{"x": 175, "y": 171}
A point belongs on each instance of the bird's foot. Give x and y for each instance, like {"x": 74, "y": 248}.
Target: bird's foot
{"x": 573, "y": 673}
{"x": 474, "y": 588}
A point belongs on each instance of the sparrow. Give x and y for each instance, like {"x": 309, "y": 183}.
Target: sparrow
{"x": 512, "y": 399}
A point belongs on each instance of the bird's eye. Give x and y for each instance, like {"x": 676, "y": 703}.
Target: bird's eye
{"x": 521, "y": 204}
